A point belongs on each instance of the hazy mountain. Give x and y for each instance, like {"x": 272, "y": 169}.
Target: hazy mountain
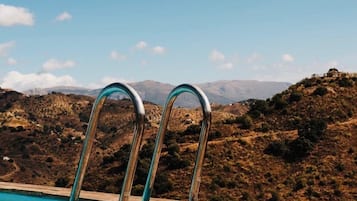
{"x": 221, "y": 92}
{"x": 237, "y": 90}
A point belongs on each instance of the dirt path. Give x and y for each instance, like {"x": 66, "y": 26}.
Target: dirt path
{"x": 9, "y": 175}
{"x": 251, "y": 136}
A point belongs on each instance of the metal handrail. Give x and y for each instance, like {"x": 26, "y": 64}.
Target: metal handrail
{"x": 90, "y": 133}
{"x": 205, "y": 126}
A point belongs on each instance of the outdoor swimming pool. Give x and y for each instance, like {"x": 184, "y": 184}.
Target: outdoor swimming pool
{"x": 15, "y": 196}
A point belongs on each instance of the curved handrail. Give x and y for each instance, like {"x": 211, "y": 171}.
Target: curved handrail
{"x": 206, "y": 123}
{"x": 90, "y": 133}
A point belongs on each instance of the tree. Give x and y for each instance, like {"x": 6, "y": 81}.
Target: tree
{"x": 299, "y": 148}
{"x": 62, "y": 182}
{"x": 279, "y": 102}
{"x": 162, "y": 184}
{"x": 295, "y": 96}
{"x": 320, "y": 91}
{"x": 245, "y": 121}
{"x": 313, "y": 129}
{"x": 345, "y": 82}
{"x": 258, "y": 107}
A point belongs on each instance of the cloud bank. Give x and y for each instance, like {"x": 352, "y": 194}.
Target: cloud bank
{"x": 11, "y": 61}
{"x": 22, "y": 82}
{"x": 64, "y": 16}
{"x": 158, "y": 50}
{"x": 54, "y": 64}
{"x": 117, "y": 56}
{"x": 287, "y": 58}
{"x": 217, "y": 56}
{"x": 5, "y": 47}
{"x": 141, "y": 45}
{"x": 220, "y": 60}
{"x": 12, "y": 15}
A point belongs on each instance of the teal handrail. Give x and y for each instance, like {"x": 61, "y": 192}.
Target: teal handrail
{"x": 90, "y": 133}
{"x": 205, "y": 126}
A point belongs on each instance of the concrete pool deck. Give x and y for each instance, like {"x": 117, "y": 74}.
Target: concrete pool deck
{"x": 64, "y": 192}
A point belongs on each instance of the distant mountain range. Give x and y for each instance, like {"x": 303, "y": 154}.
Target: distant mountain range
{"x": 220, "y": 92}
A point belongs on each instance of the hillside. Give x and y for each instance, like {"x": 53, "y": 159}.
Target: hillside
{"x": 298, "y": 145}
{"x": 220, "y": 92}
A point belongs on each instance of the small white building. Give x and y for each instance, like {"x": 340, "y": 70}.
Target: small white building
{"x": 5, "y": 158}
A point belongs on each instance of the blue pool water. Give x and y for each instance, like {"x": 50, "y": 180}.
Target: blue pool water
{"x": 13, "y": 196}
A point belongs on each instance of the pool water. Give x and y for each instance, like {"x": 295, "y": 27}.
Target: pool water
{"x": 13, "y": 196}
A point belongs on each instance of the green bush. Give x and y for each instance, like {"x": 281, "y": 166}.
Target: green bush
{"x": 214, "y": 135}
{"x": 345, "y": 82}
{"x": 300, "y": 183}
{"x": 264, "y": 128}
{"x": 49, "y": 159}
{"x": 142, "y": 171}
{"x": 313, "y": 129}
{"x": 275, "y": 196}
{"x": 245, "y": 121}
{"x": 220, "y": 181}
{"x": 84, "y": 117}
{"x": 147, "y": 150}
{"x": 176, "y": 162}
{"x": 320, "y": 91}
{"x": 278, "y": 102}
{"x": 340, "y": 167}
{"x": 257, "y": 108}
{"x": 299, "y": 148}
{"x": 107, "y": 160}
{"x": 173, "y": 148}
{"x": 307, "y": 82}
{"x": 62, "y": 182}
{"x": 192, "y": 129}
{"x": 138, "y": 190}
{"x": 277, "y": 149}
{"x": 162, "y": 184}
{"x": 246, "y": 197}
{"x": 46, "y": 129}
{"x": 295, "y": 96}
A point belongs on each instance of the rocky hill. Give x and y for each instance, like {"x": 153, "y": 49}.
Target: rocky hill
{"x": 220, "y": 92}
{"x": 297, "y": 145}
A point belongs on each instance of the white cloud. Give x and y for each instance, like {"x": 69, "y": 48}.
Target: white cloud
{"x": 21, "y": 82}
{"x": 227, "y": 66}
{"x": 11, "y": 61}
{"x": 144, "y": 62}
{"x": 254, "y": 58}
{"x": 11, "y": 15}
{"x": 333, "y": 64}
{"x": 64, "y": 16}
{"x": 105, "y": 81}
{"x": 117, "y": 56}
{"x": 54, "y": 64}
{"x": 4, "y": 47}
{"x": 287, "y": 58}
{"x": 141, "y": 45}
{"x": 108, "y": 80}
{"x": 221, "y": 61}
{"x": 159, "y": 50}
{"x": 217, "y": 56}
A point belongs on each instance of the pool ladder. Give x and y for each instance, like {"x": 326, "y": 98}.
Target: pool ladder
{"x": 138, "y": 134}
{"x": 90, "y": 134}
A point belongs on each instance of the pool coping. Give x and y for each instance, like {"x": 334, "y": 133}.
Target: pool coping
{"x": 64, "y": 192}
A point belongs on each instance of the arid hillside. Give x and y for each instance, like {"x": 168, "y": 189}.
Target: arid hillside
{"x": 301, "y": 144}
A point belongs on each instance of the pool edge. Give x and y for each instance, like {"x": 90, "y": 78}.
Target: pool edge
{"x": 64, "y": 192}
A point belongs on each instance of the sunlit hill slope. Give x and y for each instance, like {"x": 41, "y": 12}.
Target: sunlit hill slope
{"x": 300, "y": 144}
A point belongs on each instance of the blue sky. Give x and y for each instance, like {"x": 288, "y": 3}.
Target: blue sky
{"x": 92, "y": 43}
